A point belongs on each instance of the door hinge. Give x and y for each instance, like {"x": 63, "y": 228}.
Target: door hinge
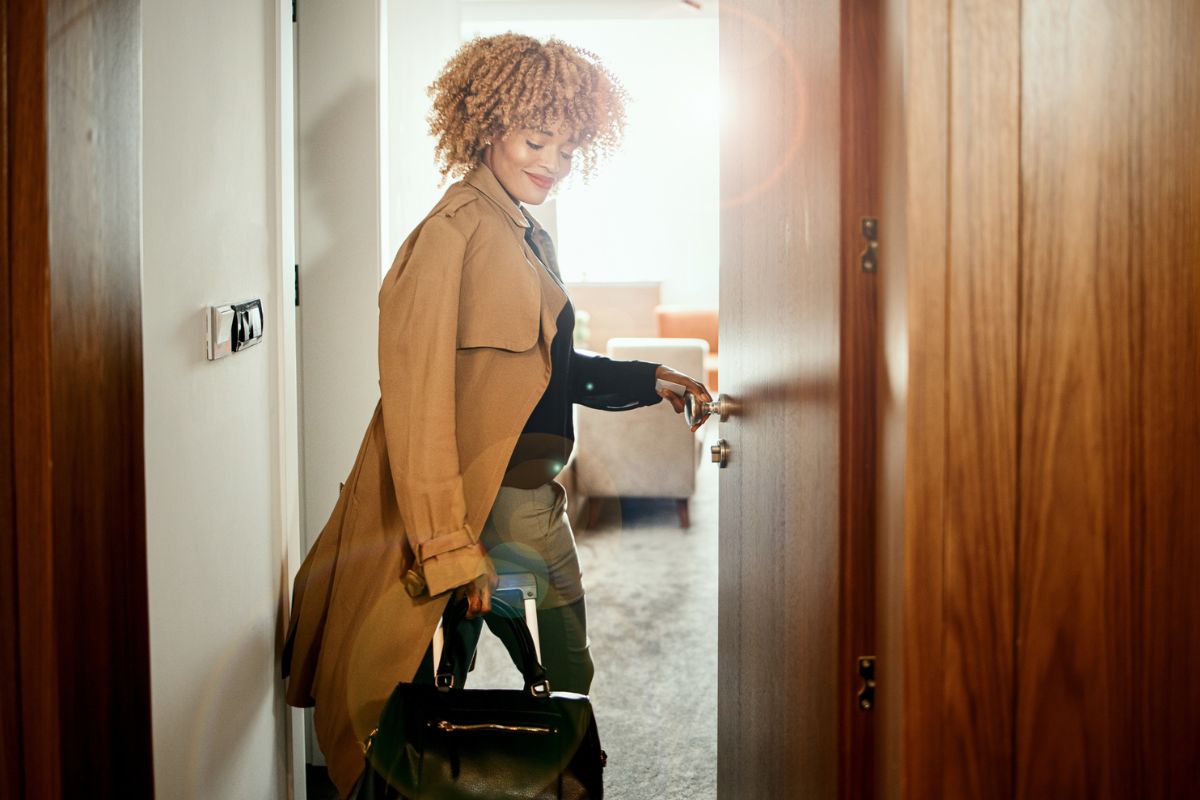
{"x": 870, "y": 256}
{"x": 293, "y": 10}
{"x": 866, "y": 693}
{"x": 297, "y": 285}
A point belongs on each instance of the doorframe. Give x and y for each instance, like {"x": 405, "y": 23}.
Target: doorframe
{"x": 287, "y": 500}
{"x": 860, "y": 354}
{"x": 75, "y": 631}
{"x": 30, "y": 713}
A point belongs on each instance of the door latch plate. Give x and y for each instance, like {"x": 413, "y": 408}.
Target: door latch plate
{"x": 870, "y": 256}
{"x": 866, "y": 694}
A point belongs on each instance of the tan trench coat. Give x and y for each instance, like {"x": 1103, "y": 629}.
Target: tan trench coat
{"x": 466, "y": 317}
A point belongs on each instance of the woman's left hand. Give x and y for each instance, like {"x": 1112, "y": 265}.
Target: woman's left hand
{"x": 691, "y": 385}
{"x": 479, "y": 591}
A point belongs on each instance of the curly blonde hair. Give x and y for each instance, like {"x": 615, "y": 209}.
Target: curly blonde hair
{"x": 497, "y": 84}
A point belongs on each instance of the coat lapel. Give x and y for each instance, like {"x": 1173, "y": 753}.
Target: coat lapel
{"x": 554, "y": 295}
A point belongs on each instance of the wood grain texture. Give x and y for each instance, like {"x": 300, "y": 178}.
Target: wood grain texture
{"x": 10, "y": 686}
{"x": 981, "y": 395}
{"x": 93, "y": 71}
{"x": 27, "y": 254}
{"x": 927, "y": 132}
{"x": 780, "y": 309}
{"x": 892, "y": 400}
{"x": 859, "y": 158}
{"x": 1109, "y": 596}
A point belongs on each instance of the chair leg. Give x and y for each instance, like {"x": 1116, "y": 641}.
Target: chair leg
{"x": 684, "y": 518}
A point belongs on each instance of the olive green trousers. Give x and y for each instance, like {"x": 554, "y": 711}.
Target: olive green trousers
{"x": 528, "y": 531}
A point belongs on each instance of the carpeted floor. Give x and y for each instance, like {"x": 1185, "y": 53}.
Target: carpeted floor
{"x": 652, "y": 606}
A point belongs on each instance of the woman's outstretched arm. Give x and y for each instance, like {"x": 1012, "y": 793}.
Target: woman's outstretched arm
{"x": 612, "y": 385}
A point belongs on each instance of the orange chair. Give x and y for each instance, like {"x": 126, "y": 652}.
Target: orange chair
{"x": 692, "y": 322}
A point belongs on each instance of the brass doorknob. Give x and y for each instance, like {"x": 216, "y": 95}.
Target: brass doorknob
{"x": 698, "y": 411}
{"x": 720, "y": 453}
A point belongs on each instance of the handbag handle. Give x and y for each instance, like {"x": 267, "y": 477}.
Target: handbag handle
{"x": 502, "y": 615}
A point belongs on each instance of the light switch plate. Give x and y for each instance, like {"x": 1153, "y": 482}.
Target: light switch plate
{"x": 219, "y": 331}
{"x": 234, "y": 327}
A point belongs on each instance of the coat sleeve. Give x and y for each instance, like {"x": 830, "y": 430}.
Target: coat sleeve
{"x": 610, "y": 385}
{"x": 418, "y": 330}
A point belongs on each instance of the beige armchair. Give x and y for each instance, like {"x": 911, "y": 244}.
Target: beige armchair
{"x": 645, "y": 452}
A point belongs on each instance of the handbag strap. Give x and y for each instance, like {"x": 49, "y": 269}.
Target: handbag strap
{"x": 502, "y": 615}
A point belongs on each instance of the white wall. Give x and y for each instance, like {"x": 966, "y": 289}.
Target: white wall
{"x": 217, "y": 438}
{"x": 421, "y": 37}
{"x": 366, "y": 178}
{"x": 340, "y": 238}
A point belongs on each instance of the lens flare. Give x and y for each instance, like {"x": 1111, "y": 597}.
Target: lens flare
{"x": 798, "y": 94}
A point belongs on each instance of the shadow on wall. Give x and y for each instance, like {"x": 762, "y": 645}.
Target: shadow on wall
{"x": 338, "y": 319}
{"x": 332, "y": 188}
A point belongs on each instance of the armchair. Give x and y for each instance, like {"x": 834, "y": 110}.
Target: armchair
{"x": 644, "y": 452}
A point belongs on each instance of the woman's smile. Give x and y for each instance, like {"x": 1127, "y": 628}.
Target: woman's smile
{"x": 529, "y": 161}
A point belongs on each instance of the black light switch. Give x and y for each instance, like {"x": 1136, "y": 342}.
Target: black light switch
{"x": 247, "y": 324}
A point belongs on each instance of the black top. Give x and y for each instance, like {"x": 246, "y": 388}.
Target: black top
{"x": 575, "y": 377}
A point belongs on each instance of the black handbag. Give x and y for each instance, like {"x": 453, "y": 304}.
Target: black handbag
{"x": 444, "y": 742}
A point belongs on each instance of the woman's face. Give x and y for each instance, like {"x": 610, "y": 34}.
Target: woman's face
{"x": 528, "y": 162}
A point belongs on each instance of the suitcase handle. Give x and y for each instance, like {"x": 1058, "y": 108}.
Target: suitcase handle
{"x": 503, "y": 615}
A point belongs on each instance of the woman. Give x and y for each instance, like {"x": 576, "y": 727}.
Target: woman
{"x": 477, "y": 377}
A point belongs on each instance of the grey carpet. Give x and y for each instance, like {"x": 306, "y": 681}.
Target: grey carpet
{"x": 652, "y": 606}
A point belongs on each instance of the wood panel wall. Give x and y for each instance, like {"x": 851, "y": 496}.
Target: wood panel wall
{"x": 981, "y": 396}
{"x": 1052, "y": 470}
{"x": 921, "y": 740}
{"x": 891, "y": 399}
{"x": 1109, "y": 551}
{"x": 960, "y": 478}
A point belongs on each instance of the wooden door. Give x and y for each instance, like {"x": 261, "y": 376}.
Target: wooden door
{"x": 798, "y": 343}
{"x": 1049, "y": 541}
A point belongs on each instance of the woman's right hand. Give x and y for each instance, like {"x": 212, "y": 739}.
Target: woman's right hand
{"x": 479, "y": 591}
{"x": 689, "y": 384}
